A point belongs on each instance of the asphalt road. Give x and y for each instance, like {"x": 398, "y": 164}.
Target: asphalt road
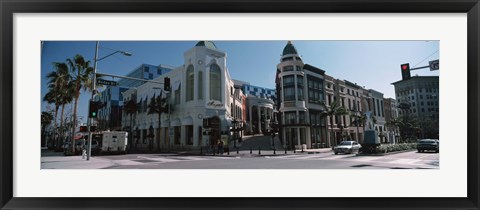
{"x": 405, "y": 160}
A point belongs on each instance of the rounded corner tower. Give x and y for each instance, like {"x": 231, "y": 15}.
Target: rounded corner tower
{"x": 291, "y": 80}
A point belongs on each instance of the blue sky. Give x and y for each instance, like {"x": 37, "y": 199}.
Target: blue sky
{"x": 373, "y": 64}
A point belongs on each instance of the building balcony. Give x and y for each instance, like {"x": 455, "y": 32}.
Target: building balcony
{"x": 292, "y": 105}
{"x": 287, "y": 73}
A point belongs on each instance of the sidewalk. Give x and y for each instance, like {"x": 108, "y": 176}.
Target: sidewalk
{"x": 255, "y": 152}
{"x": 73, "y": 162}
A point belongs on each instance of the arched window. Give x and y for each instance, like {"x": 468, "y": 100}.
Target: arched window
{"x": 200, "y": 85}
{"x": 215, "y": 83}
{"x": 189, "y": 80}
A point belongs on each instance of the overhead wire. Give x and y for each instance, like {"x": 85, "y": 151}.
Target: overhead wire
{"x": 425, "y": 58}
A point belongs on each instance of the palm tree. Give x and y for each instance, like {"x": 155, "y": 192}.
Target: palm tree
{"x": 58, "y": 92}
{"x": 333, "y": 110}
{"x": 130, "y": 108}
{"x": 66, "y": 97}
{"x": 158, "y": 105}
{"x": 358, "y": 120}
{"x": 46, "y": 120}
{"x": 81, "y": 73}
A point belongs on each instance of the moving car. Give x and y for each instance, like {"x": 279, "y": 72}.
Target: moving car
{"x": 347, "y": 147}
{"x": 428, "y": 144}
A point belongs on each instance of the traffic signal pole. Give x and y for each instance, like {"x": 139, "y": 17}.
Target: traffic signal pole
{"x": 89, "y": 121}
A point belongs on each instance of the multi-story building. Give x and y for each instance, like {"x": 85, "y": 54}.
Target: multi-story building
{"x": 418, "y": 99}
{"x": 260, "y": 107}
{"x": 354, "y": 98}
{"x": 239, "y": 110}
{"x": 144, "y": 71}
{"x": 300, "y": 93}
{"x": 315, "y": 97}
{"x": 335, "y": 92}
{"x": 378, "y": 113}
{"x": 260, "y": 92}
{"x": 110, "y": 114}
{"x": 201, "y": 88}
{"x": 391, "y": 115}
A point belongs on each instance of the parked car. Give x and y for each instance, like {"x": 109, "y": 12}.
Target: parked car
{"x": 428, "y": 144}
{"x": 347, "y": 147}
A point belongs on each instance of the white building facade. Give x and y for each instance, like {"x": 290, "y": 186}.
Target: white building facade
{"x": 201, "y": 88}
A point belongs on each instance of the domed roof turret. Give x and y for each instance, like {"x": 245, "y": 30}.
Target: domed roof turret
{"x": 208, "y": 44}
{"x": 289, "y": 49}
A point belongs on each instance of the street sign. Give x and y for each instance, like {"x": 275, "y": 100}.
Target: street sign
{"x": 434, "y": 65}
{"x": 106, "y": 82}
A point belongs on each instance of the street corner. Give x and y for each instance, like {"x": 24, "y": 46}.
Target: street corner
{"x": 75, "y": 162}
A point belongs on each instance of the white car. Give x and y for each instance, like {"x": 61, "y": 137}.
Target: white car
{"x": 347, "y": 147}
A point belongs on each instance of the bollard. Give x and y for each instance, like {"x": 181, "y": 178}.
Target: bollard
{"x": 228, "y": 151}
{"x": 274, "y": 151}
{"x": 294, "y": 150}
{"x": 250, "y": 150}
{"x": 302, "y": 149}
{"x": 237, "y": 150}
{"x": 285, "y": 150}
{"x": 259, "y": 151}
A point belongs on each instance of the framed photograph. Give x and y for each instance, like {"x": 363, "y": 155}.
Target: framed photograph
{"x": 200, "y": 129}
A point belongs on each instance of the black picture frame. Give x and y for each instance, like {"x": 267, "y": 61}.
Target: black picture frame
{"x": 10, "y": 7}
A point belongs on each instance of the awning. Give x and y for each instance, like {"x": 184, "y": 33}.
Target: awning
{"x": 187, "y": 121}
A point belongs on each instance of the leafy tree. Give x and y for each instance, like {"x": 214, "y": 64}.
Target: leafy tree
{"x": 407, "y": 126}
{"x": 51, "y": 98}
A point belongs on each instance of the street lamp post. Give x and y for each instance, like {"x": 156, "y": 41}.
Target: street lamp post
{"x": 94, "y": 77}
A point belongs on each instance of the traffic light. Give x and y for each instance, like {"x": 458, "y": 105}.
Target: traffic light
{"x": 405, "y": 71}
{"x": 93, "y": 109}
{"x": 166, "y": 84}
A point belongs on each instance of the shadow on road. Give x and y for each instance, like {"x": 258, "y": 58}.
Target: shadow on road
{"x": 50, "y": 153}
{"x": 263, "y": 143}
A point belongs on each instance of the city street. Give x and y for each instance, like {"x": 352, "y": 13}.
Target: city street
{"x": 408, "y": 160}
{"x": 306, "y": 160}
